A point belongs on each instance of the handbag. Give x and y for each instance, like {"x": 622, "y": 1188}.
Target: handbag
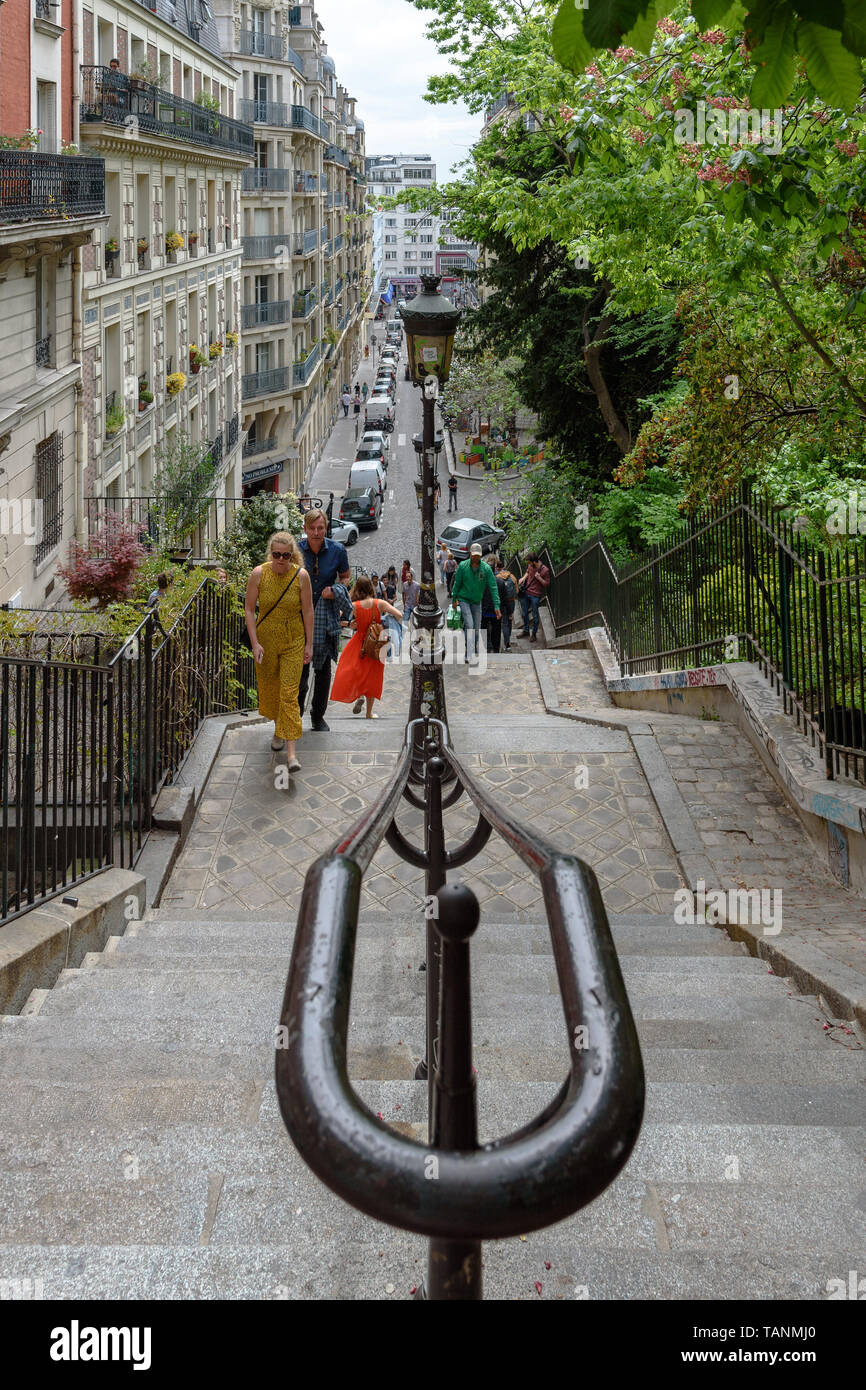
{"x": 375, "y": 638}
{"x": 454, "y": 619}
{"x": 245, "y": 636}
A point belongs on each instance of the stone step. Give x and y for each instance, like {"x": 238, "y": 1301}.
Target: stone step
{"x": 64, "y": 1063}
{"x": 502, "y": 1105}
{"x": 823, "y": 1156}
{"x": 370, "y": 1261}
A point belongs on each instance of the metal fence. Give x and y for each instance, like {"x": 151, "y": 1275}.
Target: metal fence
{"x": 739, "y": 582}
{"x": 86, "y": 748}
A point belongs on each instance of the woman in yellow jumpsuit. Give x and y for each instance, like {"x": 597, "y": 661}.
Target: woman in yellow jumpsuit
{"x": 282, "y": 639}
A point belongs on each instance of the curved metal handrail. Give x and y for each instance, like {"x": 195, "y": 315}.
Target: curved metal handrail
{"x": 546, "y": 1171}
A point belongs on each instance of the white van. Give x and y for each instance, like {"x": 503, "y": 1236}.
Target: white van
{"x": 368, "y": 473}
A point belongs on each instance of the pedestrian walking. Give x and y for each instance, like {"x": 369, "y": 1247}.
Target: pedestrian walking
{"x": 507, "y": 586}
{"x": 411, "y": 594}
{"x": 441, "y": 552}
{"x": 327, "y": 564}
{"x": 450, "y": 568}
{"x": 470, "y": 581}
{"x": 490, "y": 620}
{"x": 365, "y": 391}
{"x": 360, "y": 677}
{"x": 452, "y": 492}
{"x": 390, "y": 583}
{"x": 531, "y": 589}
{"x": 281, "y": 638}
{"x": 347, "y": 401}
{"x": 357, "y": 402}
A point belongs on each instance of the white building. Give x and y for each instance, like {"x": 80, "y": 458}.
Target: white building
{"x": 409, "y": 239}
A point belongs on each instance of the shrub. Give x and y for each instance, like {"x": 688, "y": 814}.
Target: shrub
{"x": 104, "y": 568}
{"x": 244, "y": 543}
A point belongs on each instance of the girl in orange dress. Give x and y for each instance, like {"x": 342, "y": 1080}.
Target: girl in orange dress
{"x": 358, "y": 677}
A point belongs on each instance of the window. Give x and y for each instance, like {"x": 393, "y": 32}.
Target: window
{"x": 49, "y": 491}
{"x": 390, "y": 221}
{"x": 409, "y": 221}
{"x": 390, "y": 255}
{"x": 426, "y": 222}
{"x": 46, "y": 116}
{"x": 411, "y": 240}
{"x": 390, "y": 240}
{"x": 426, "y": 255}
{"x": 427, "y": 238}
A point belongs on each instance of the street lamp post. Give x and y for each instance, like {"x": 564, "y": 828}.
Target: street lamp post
{"x": 431, "y": 322}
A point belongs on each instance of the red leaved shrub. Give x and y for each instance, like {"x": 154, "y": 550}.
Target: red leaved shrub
{"x": 105, "y": 566}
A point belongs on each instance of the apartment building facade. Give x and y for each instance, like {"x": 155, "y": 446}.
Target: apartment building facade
{"x": 408, "y": 239}
{"x": 306, "y": 272}
{"x": 52, "y": 206}
{"x": 161, "y": 348}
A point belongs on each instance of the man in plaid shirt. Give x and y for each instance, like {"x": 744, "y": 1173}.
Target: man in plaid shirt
{"x": 327, "y": 565}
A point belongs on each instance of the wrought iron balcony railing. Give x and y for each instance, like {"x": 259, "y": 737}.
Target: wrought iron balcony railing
{"x": 295, "y": 59}
{"x": 304, "y": 304}
{"x": 113, "y": 97}
{"x": 257, "y": 315}
{"x": 302, "y": 371}
{"x": 260, "y": 446}
{"x": 302, "y": 119}
{"x": 264, "y": 112}
{"x": 264, "y": 248}
{"x": 336, "y": 155}
{"x": 265, "y": 383}
{"x": 305, "y": 183}
{"x": 232, "y": 431}
{"x": 35, "y": 185}
{"x": 264, "y": 45}
{"x": 306, "y": 242}
{"x": 266, "y": 180}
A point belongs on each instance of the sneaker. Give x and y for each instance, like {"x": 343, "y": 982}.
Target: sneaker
{"x": 294, "y": 765}
{"x": 534, "y": 637}
{"x": 358, "y": 706}
{"x": 320, "y": 727}
{"x": 278, "y": 744}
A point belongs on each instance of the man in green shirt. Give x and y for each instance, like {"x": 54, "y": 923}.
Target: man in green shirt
{"x": 472, "y": 578}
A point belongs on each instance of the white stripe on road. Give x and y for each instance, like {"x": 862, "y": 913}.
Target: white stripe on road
{"x": 401, "y": 440}
{"x": 391, "y": 495}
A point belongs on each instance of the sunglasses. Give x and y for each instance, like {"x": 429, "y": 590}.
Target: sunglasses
{"x": 281, "y": 555}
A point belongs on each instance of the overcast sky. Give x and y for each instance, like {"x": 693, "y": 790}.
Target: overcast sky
{"x": 383, "y": 59}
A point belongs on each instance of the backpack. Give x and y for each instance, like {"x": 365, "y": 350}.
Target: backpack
{"x": 509, "y": 589}
{"x": 375, "y": 638}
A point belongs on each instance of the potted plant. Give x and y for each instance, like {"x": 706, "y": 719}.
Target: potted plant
{"x": 232, "y": 338}
{"x": 174, "y": 383}
{"x": 192, "y": 240}
{"x": 144, "y": 73}
{"x": 114, "y": 418}
{"x": 215, "y": 350}
{"x": 145, "y": 396}
{"x": 173, "y": 242}
{"x": 197, "y": 359}
{"x": 112, "y": 251}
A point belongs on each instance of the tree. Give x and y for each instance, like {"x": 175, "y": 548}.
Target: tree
{"x": 244, "y": 543}
{"x": 183, "y": 488}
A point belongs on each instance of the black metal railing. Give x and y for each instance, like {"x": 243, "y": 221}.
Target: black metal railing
{"x": 739, "y": 582}
{"x": 144, "y": 513}
{"x": 232, "y": 432}
{"x": 264, "y": 112}
{"x": 43, "y": 351}
{"x": 263, "y": 45}
{"x": 86, "y": 747}
{"x": 267, "y": 179}
{"x": 116, "y": 99}
{"x": 275, "y": 311}
{"x": 36, "y": 185}
{"x": 544, "y": 1172}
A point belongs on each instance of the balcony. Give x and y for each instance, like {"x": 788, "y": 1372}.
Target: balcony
{"x": 266, "y": 383}
{"x": 295, "y": 17}
{"x": 264, "y": 112}
{"x": 302, "y": 119}
{"x": 112, "y": 97}
{"x": 337, "y": 156}
{"x": 295, "y": 59}
{"x": 304, "y": 303}
{"x": 232, "y": 432}
{"x": 305, "y": 242}
{"x": 261, "y": 315}
{"x": 302, "y": 371}
{"x": 264, "y": 45}
{"x": 266, "y": 180}
{"x": 264, "y": 248}
{"x": 337, "y": 243}
{"x": 35, "y": 185}
{"x": 305, "y": 183}
{"x": 259, "y": 446}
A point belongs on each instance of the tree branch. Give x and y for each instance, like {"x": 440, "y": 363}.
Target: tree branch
{"x": 809, "y": 337}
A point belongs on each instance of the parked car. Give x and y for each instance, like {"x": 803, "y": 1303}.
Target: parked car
{"x": 371, "y": 450}
{"x": 377, "y": 437}
{"x": 363, "y": 507}
{"x": 390, "y": 354}
{"x": 385, "y": 387}
{"x": 346, "y": 532}
{"x": 368, "y": 473}
{"x": 376, "y": 405}
{"x": 468, "y": 530}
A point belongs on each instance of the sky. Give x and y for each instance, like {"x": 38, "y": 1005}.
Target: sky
{"x": 383, "y": 59}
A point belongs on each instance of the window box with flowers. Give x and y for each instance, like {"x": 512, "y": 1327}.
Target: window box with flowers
{"x": 173, "y": 244}
{"x": 192, "y": 243}
{"x": 174, "y": 383}
{"x": 232, "y": 338}
{"x": 112, "y": 251}
{"x": 215, "y": 350}
{"x": 145, "y": 396}
{"x": 197, "y": 359}
{"x": 115, "y": 416}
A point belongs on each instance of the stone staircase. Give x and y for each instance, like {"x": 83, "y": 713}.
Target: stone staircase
{"x": 142, "y": 1153}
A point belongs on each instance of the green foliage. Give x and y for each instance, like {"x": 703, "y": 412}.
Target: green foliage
{"x": 633, "y": 519}
{"x": 244, "y": 543}
{"x": 182, "y": 489}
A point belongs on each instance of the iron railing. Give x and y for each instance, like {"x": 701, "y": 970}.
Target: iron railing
{"x": 260, "y": 446}
{"x": 306, "y": 242}
{"x": 264, "y": 383}
{"x": 39, "y": 186}
{"x": 264, "y": 112}
{"x": 113, "y": 97}
{"x": 266, "y": 180}
{"x": 262, "y": 248}
{"x": 302, "y": 119}
{"x": 544, "y": 1172}
{"x": 262, "y": 45}
{"x": 739, "y": 582}
{"x": 306, "y": 183}
{"x": 302, "y": 371}
{"x": 86, "y": 747}
{"x": 304, "y": 303}
{"x": 144, "y": 513}
{"x": 276, "y": 311}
